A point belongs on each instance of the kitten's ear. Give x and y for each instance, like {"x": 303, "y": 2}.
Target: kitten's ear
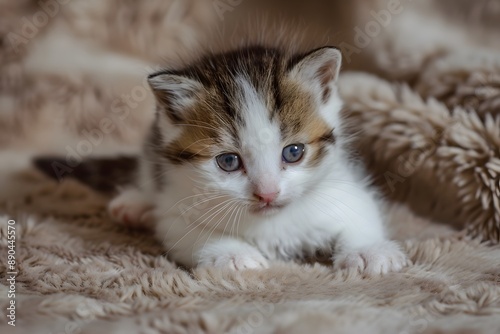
{"x": 175, "y": 93}
{"x": 319, "y": 70}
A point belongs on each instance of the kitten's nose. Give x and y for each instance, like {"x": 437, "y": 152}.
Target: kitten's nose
{"x": 267, "y": 197}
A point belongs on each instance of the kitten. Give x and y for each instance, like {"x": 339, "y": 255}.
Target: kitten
{"x": 246, "y": 163}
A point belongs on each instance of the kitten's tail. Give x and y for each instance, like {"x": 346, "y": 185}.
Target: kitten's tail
{"x": 102, "y": 174}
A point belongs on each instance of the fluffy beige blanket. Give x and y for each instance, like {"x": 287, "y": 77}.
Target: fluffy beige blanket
{"x": 427, "y": 127}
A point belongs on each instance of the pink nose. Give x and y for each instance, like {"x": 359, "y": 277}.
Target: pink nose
{"x": 268, "y": 197}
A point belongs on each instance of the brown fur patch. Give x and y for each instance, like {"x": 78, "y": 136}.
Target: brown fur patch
{"x": 200, "y": 134}
{"x": 299, "y": 118}
{"x": 318, "y": 151}
{"x": 219, "y": 109}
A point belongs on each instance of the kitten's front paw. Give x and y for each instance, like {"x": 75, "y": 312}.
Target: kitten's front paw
{"x": 131, "y": 209}
{"x": 374, "y": 260}
{"x": 236, "y": 261}
{"x": 242, "y": 262}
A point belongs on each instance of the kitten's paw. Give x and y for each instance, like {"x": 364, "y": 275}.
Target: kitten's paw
{"x": 131, "y": 209}
{"x": 242, "y": 257}
{"x": 237, "y": 262}
{"x": 374, "y": 260}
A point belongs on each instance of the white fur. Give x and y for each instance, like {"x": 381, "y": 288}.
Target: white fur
{"x": 203, "y": 216}
{"x": 260, "y": 142}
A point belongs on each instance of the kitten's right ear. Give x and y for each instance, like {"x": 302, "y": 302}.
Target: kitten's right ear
{"x": 174, "y": 93}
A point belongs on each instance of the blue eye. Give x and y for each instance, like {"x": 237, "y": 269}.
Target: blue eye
{"x": 229, "y": 162}
{"x": 293, "y": 153}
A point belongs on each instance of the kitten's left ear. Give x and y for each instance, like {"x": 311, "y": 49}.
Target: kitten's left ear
{"x": 319, "y": 70}
{"x": 175, "y": 93}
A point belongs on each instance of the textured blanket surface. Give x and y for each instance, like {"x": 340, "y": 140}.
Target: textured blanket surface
{"x": 426, "y": 120}
{"x": 80, "y": 273}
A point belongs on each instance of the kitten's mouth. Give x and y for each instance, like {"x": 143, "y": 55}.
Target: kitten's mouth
{"x": 266, "y": 209}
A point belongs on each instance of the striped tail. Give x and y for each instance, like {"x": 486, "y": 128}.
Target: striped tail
{"x": 101, "y": 174}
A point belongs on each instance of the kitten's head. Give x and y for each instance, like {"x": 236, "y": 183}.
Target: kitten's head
{"x": 256, "y": 125}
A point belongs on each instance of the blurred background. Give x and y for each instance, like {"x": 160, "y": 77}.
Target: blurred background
{"x": 66, "y": 64}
